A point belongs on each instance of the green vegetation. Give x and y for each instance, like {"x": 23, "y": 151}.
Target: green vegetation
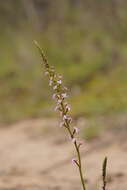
{"x": 81, "y": 41}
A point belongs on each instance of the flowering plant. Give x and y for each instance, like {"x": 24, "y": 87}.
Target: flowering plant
{"x": 60, "y": 96}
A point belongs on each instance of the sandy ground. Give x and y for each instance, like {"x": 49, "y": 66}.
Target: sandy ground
{"x": 36, "y": 155}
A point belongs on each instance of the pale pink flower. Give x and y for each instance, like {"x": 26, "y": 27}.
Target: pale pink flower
{"x": 64, "y": 95}
{"x": 81, "y": 142}
{"x": 76, "y": 130}
{"x": 67, "y": 118}
{"x": 59, "y": 81}
{"x": 59, "y": 101}
{"x": 74, "y": 161}
{"x": 64, "y": 117}
{"x": 68, "y": 107}
{"x": 55, "y": 87}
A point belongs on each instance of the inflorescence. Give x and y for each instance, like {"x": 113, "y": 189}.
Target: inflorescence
{"x": 60, "y": 95}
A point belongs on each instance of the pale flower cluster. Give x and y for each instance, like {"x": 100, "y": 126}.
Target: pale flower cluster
{"x": 60, "y": 96}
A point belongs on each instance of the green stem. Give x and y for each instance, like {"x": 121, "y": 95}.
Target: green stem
{"x": 79, "y": 161}
{"x": 78, "y": 152}
{"x": 80, "y": 166}
{"x": 67, "y": 124}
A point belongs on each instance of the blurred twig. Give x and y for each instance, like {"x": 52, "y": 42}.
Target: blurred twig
{"x": 104, "y": 167}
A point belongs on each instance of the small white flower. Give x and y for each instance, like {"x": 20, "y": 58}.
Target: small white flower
{"x": 64, "y": 95}
{"x": 64, "y": 117}
{"x": 59, "y": 101}
{"x": 68, "y": 118}
{"x": 74, "y": 161}
{"x": 76, "y": 130}
{"x": 55, "y": 87}
{"x": 59, "y": 81}
{"x": 67, "y": 107}
{"x": 81, "y": 142}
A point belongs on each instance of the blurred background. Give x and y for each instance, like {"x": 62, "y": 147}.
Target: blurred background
{"x": 86, "y": 41}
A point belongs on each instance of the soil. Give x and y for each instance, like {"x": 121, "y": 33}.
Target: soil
{"x": 36, "y": 155}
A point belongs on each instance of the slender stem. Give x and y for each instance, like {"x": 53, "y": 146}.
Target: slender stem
{"x": 80, "y": 166}
{"x": 78, "y": 152}
{"x": 67, "y": 124}
{"x": 79, "y": 162}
